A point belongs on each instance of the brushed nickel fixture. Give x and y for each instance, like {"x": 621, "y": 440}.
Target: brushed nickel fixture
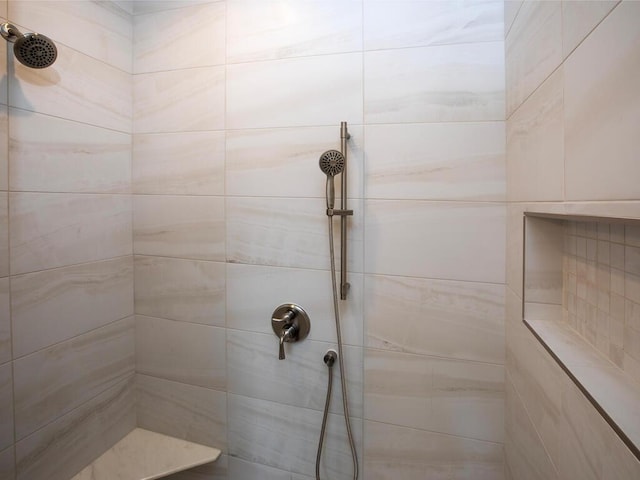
{"x": 291, "y": 324}
{"x": 329, "y": 359}
{"x": 31, "y": 49}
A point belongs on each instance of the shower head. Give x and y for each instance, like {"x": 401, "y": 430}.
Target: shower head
{"x": 31, "y": 49}
{"x": 331, "y": 163}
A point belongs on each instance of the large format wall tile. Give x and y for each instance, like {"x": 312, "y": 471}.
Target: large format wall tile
{"x": 253, "y": 425}
{"x": 64, "y": 447}
{"x": 49, "y": 154}
{"x": 458, "y": 241}
{"x": 259, "y": 30}
{"x": 196, "y": 414}
{"x": 174, "y": 226}
{"x": 289, "y": 233}
{"x": 255, "y": 371}
{"x": 76, "y": 87}
{"x": 179, "y": 101}
{"x": 55, "y": 305}
{"x": 218, "y": 470}
{"x": 190, "y": 163}
{"x": 511, "y": 9}
{"x": 535, "y": 145}
{"x": 54, "y": 381}
{"x": 6, "y": 406}
{"x": 184, "y": 352}
{"x": 435, "y": 84}
{"x": 393, "y": 452}
{"x": 449, "y": 161}
{"x": 451, "y": 319}
{"x": 268, "y": 287}
{"x": 283, "y": 162}
{"x": 98, "y": 29}
{"x": 4, "y": 147}
{"x": 320, "y": 90}
{"x": 176, "y": 39}
{"x": 533, "y": 49}
{"x": 579, "y": 18}
{"x": 8, "y": 463}
{"x": 140, "y": 8}
{"x": 178, "y": 289}
{"x": 446, "y": 396}
{"x": 5, "y": 322}
{"x": 239, "y": 468}
{"x": 4, "y": 234}
{"x": 52, "y": 230}
{"x": 601, "y": 115}
{"x": 393, "y": 24}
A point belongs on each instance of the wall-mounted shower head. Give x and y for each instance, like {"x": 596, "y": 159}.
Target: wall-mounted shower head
{"x": 31, "y": 49}
{"x": 331, "y": 164}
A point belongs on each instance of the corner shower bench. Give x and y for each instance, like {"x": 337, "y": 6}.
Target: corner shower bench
{"x": 145, "y": 455}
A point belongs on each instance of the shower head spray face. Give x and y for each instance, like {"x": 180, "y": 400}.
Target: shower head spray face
{"x": 331, "y": 163}
{"x": 32, "y": 49}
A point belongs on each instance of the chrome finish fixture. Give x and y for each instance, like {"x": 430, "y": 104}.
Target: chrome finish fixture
{"x": 31, "y": 49}
{"x": 291, "y": 324}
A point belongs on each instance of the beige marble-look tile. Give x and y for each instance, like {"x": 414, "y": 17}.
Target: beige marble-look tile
{"x": 197, "y": 38}
{"x": 185, "y": 352}
{"x": 52, "y": 229}
{"x": 514, "y": 248}
{"x": 435, "y": 84}
{"x": 4, "y": 234}
{"x": 178, "y": 289}
{"x": 179, "y": 101}
{"x": 178, "y": 226}
{"x": 579, "y": 18}
{"x": 457, "y": 241}
{"x": 543, "y": 245}
{"x": 6, "y": 406}
{"x": 399, "y": 452}
{"x": 286, "y": 437}
{"x": 3, "y": 8}
{"x": 183, "y": 411}
{"x": 93, "y": 159}
{"x": 535, "y": 145}
{"x": 64, "y": 447}
{"x": 4, "y": 148}
{"x": 289, "y": 233}
{"x": 601, "y": 111}
{"x": 533, "y": 49}
{"x": 254, "y": 291}
{"x": 97, "y": 29}
{"x": 8, "y": 464}
{"x": 76, "y": 87}
{"x": 189, "y": 163}
{"x": 55, "y": 305}
{"x": 5, "y": 322}
{"x": 239, "y": 468}
{"x": 140, "y": 8}
{"x": 219, "y": 470}
{"x": 58, "y": 379}
{"x": 255, "y": 371}
{"x": 307, "y": 91}
{"x": 442, "y": 318}
{"x": 4, "y": 87}
{"x": 511, "y": 9}
{"x": 258, "y": 160}
{"x": 524, "y": 451}
{"x": 447, "y": 161}
{"x": 392, "y": 24}
{"x": 259, "y": 30}
{"x": 447, "y": 396}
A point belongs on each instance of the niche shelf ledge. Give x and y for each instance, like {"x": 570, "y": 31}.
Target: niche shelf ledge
{"x": 145, "y": 455}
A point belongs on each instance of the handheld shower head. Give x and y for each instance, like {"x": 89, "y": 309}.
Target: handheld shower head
{"x": 31, "y": 49}
{"x": 331, "y": 163}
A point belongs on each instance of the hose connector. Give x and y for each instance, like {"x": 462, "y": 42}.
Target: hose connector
{"x": 330, "y": 357}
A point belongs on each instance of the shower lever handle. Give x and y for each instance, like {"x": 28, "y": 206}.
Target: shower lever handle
{"x": 291, "y": 324}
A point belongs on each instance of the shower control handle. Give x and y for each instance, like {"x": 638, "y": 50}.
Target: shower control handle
{"x": 291, "y": 324}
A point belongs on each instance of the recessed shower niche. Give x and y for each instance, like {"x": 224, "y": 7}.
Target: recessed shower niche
{"x": 581, "y": 299}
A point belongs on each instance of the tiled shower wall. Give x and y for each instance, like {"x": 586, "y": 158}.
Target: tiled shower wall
{"x": 67, "y": 360}
{"x": 233, "y": 104}
{"x": 572, "y": 116}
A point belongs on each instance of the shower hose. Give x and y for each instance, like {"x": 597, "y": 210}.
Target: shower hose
{"x": 343, "y": 381}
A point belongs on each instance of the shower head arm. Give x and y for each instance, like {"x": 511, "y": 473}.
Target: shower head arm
{"x": 10, "y": 32}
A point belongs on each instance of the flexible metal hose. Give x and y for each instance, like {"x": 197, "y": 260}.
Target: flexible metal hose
{"x": 324, "y": 420}
{"x": 343, "y": 380}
